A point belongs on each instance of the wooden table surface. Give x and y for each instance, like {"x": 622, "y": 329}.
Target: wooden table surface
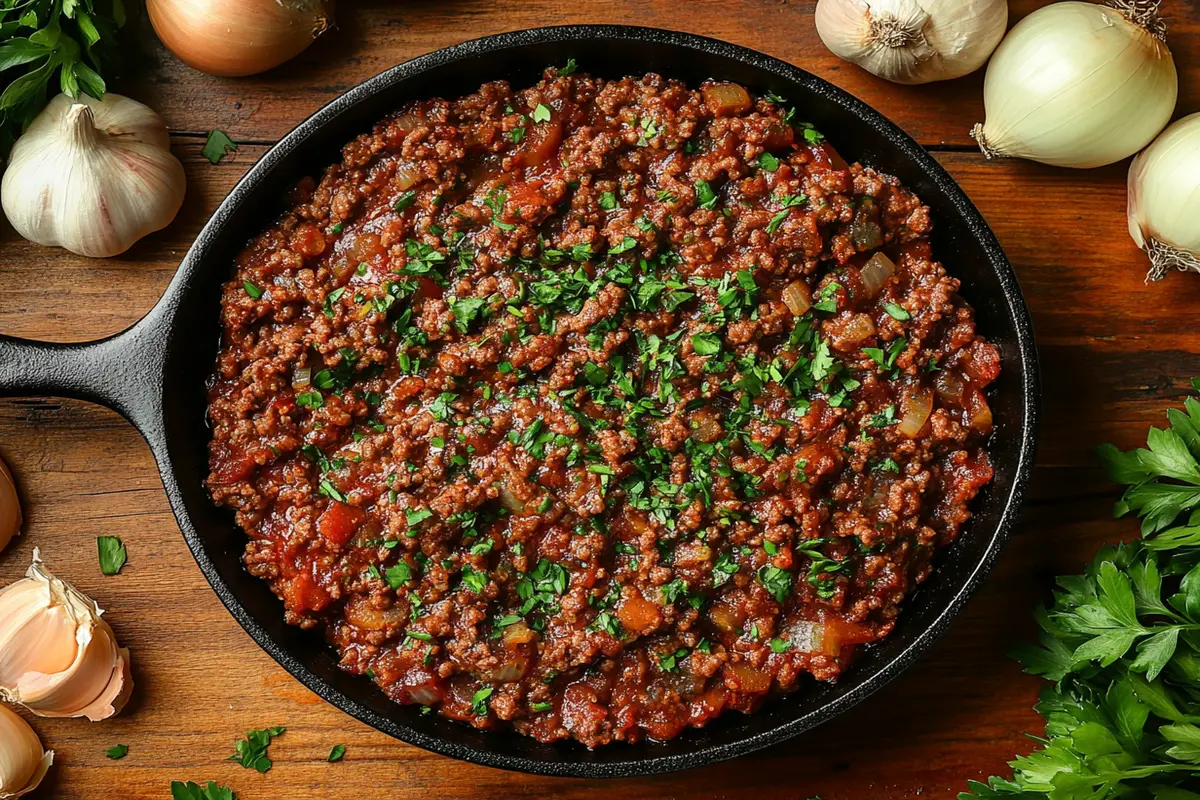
{"x": 1114, "y": 353}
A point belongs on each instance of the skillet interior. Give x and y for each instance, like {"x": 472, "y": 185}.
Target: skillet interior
{"x": 188, "y": 318}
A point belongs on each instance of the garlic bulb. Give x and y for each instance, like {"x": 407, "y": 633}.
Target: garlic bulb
{"x": 913, "y": 41}
{"x": 1079, "y": 85}
{"x": 10, "y": 507}
{"x": 1164, "y": 199}
{"x": 93, "y": 176}
{"x": 58, "y": 658}
{"x": 22, "y": 762}
{"x": 238, "y": 37}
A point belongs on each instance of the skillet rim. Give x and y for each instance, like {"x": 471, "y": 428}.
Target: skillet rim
{"x": 1025, "y": 363}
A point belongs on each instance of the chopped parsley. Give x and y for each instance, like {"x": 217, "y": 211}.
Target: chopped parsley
{"x": 112, "y": 554}
{"x": 251, "y": 752}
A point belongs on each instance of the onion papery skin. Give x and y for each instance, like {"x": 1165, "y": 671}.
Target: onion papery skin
{"x": 1077, "y": 85}
{"x": 1164, "y": 199}
{"x": 235, "y": 38}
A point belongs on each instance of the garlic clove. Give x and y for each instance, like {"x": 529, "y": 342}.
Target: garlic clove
{"x": 23, "y": 764}
{"x": 913, "y": 41}
{"x": 58, "y": 658}
{"x": 10, "y": 507}
{"x": 92, "y": 176}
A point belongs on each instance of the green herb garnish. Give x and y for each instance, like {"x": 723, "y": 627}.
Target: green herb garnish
{"x": 336, "y": 753}
{"x": 251, "y": 752}
{"x": 1120, "y": 643}
{"x": 117, "y": 751}
{"x": 193, "y": 791}
{"x": 112, "y": 554}
{"x": 217, "y": 145}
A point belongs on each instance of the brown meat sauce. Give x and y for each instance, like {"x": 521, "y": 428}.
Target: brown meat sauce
{"x": 513, "y": 405}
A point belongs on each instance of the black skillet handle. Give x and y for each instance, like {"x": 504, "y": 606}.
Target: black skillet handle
{"x": 123, "y": 372}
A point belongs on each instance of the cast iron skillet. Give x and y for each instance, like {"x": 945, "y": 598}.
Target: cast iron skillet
{"x": 154, "y": 374}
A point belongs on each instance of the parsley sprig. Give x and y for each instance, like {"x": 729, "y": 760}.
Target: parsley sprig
{"x": 48, "y": 46}
{"x": 1121, "y": 644}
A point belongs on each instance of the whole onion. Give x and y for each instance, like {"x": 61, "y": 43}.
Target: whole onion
{"x": 238, "y": 37}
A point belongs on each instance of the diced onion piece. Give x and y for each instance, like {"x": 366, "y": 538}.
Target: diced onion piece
{"x": 301, "y": 377}
{"x": 749, "y": 679}
{"x": 406, "y": 176}
{"x": 516, "y": 634}
{"x": 797, "y": 297}
{"x": 858, "y": 328}
{"x": 361, "y": 614}
{"x": 915, "y": 408}
{"x": 510, "y": 500}
{"x": 866, "y": 234}
{"x": 409, "y": 122}
{"x": 949, "y": 386}
{"x": 808, "y": 637}
{"x": 877, "y": 272}
{"x": 725, "y": 99}
{"x": 512, "y": 668}
{"x": 724, "y": 617}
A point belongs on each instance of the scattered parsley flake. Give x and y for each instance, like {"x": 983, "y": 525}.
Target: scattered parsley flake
{"x": 112, "y": 554}
{"x": 251, "y": 752}
{"x": 217, "y": 146}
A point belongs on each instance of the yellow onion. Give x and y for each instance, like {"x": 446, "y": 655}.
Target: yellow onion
{"x": 238, "y": 37}
{"x": 23, "y": 764}
{"x": 1079, "y": 84}
{"x": 58, "y": 658}
{"x": 10, "y": 507}
{"x": 1164, "y": 199}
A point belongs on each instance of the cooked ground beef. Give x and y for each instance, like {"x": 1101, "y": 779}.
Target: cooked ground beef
{"x": 597, "y": 408}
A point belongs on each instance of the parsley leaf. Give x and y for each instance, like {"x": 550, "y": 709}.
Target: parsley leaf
{"x": 1119, "y": 643}
{"x": 251, "y": 752}
{"x": 193, "y": 791}
{"x": 117, "y": 751}
{"x": 217, "y": 146}
{"x": 336, "y": 753}
{"x": 112, "y": 554}
{"x": 705, "y": 196}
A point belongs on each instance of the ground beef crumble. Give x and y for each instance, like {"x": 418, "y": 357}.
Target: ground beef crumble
{"x": 597, "y": 408}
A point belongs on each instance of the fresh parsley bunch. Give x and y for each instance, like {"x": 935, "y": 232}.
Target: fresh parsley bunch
{"x": 1121, "y": 643}
{"x": 47, "y": 46}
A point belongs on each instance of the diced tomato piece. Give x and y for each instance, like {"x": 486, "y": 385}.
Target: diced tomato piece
{"x": 231, "y": 464}
{"x": 302, "y": 594}
{"x": 639, "y": 615}
{"x": 339, "y": 522}
{"x": 541, "y": 143}
{"x": 307, "y": 240}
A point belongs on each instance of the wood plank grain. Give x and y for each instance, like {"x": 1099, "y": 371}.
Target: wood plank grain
{"x": 1115, "y": 351}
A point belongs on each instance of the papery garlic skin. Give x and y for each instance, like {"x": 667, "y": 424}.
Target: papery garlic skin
{"x": 10, "y": 507}
{"x": 1164, "y": 199}
{"x": 92, "y": 176}
{"x": 1079, "y": 85}
{"x": 58, "y": 658}
{"x": 23, "y": 764}
{"x": 913, "y": 41}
